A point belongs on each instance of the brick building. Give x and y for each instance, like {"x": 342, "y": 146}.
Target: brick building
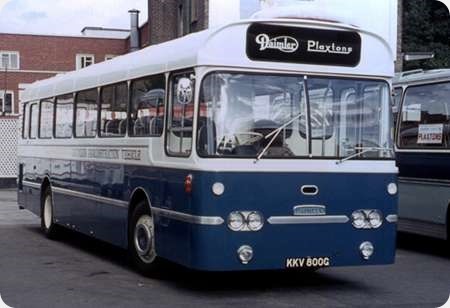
{"x": 25, "y": 58}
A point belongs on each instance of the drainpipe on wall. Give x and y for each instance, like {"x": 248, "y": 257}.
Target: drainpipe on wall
{"x": 134, "y": 30}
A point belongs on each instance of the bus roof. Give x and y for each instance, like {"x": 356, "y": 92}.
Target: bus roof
{"x": 221, "y": 47}
{"x": 421, "y": 76}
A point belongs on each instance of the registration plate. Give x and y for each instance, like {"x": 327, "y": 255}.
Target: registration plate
{"x": 308, "y": 262}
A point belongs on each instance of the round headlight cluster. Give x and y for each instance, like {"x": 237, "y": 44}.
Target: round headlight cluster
{"x": 245, "y": 221}
{"x": 236, "y": 221}
{"x": 367, "y": 219}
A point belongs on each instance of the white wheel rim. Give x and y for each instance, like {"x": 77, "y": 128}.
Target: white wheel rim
{"x": 144, "y": 240}
{"x": 48, "y": 212}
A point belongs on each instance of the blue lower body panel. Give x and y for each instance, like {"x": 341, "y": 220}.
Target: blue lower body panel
{"x": 214, "y": 247}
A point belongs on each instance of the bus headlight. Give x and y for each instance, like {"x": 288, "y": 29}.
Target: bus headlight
{"x": 358, "y": 219}
{"x": 255, "y": 221}
{"x": 236, "y": 221}
{"x": 392, "y": 189}
{"x": 367, "y": 250}
{"x": 245, "y": 254}
{"x": 367, "y": 219}
{"x": 375, "y": 219}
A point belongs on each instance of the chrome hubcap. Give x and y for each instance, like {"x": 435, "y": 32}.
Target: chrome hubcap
{"x": 144, "y": 239}
{"x": 48, "y": 212}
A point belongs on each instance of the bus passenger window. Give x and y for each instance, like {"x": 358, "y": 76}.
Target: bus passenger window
{"x": 25, "y": 119}
{"x": 34, "y": 113}
{"x": 113, "y": 116}
{"x": 46, "y": 119}
{"x": 64, "y": 116}
{"x": 425, "y": 118}
{"x": 86, "y": 114}
{"x": 147, "y": 106}
{"x": 179, "y": 135}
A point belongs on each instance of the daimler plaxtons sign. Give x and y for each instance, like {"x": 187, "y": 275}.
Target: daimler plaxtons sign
{"x": 303, "y": 45}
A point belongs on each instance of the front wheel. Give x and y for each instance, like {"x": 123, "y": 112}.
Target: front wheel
{"x": 48, "y": 226}
{"x": 141, "y": 240}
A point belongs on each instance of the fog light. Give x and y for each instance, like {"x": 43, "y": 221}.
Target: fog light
{"x": 392, "y": 189}
{"x": 245, "y": 254}
{"x": 359, "y": 219}
{"x": 236, "y": 221}
{"x": 367, "y": 250}
{"x": 218, "y": 189}
{"x": 255, "y": 221}
{"x": 375, "y": 219}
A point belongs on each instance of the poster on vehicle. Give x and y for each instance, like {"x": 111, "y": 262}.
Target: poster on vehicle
{"x": 430, "y": 134}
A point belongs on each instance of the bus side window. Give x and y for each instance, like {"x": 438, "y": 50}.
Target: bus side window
{"x": 113, "y": 115}
{"x": 46, "y": 119}
{"x": 64, "y": 116}
{"x": 425, "y": 118}
{"x": 25, "y": 123}
{"x": 34, "y": 116}
{"x": 86, "y": 114}
{"x": 148, "y": 106}
{"x": 181, "y": 116}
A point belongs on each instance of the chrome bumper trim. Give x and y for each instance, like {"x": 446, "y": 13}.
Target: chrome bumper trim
{"x": 305, "y": 220}
{"x": 198, "y": 220}
{"x": 392, "y": 218}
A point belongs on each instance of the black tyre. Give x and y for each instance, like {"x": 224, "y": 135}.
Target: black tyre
{"x": 141, "y": 240}
{"x": 48, "y": 226}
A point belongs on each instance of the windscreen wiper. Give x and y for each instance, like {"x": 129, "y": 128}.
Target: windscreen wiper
{"x": 362, "y": 150}
{"x": 274, "y": 134}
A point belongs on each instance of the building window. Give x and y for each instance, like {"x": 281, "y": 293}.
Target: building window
{"x": 109, "y": 57}
{"x": 6, "y": 102}
{"x": 84, "y": 60}
{"x": 9, "y": 60}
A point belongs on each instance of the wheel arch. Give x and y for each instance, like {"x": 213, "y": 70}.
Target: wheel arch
{"x": 138, "y": 194}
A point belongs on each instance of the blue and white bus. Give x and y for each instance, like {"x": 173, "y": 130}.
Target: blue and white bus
{"x": 423, "y": 151}
{"x": 264, "y": 144}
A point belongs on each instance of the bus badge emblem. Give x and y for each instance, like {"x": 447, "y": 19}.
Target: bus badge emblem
{"x": 184, "y": 91}
{"x": 286, "y": 44}
{"x": 310, "y": 210}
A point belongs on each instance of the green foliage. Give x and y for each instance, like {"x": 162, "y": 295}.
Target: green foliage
{"x": 426, "y": 28}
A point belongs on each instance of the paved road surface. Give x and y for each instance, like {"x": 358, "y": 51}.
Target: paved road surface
{"x": 79, "y": 272}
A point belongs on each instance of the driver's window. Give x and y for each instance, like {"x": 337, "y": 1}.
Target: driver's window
{"x": 181, "y": 116}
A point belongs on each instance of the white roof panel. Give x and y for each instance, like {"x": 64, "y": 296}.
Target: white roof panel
{"x": 225, "y": 46}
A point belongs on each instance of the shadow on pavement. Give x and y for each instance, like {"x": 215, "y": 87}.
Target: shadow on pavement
{"x": 181, "y": 278}
{"x": 425, "y": 245}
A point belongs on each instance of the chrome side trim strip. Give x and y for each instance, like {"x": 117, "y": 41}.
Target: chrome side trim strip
{"x": 392, "y": 218}
{"x": 198, "y": 220}
{"x": 296, "y": 220}
{"x": 91, "y": 197}
{"x": 31, "y": 184}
